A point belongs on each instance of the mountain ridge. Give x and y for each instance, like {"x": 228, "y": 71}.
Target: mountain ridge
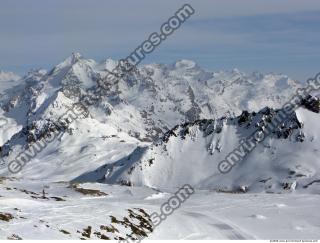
{"x": 133, "y": 115}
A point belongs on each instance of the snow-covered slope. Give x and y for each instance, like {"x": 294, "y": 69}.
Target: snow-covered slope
{"x": 286, "y": 160}
{"x": 159, "y": 127}
{"x": 150, "y": 100}
{"x": 119, "y": 134}
{"x": 7, "y": 126}
{"x": 100, "y": 211}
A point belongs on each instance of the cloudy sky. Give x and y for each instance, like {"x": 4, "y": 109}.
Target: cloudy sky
{"x": 251, "y": 35}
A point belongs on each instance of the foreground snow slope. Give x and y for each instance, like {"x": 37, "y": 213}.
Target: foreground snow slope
{"x": 65, "y": 213}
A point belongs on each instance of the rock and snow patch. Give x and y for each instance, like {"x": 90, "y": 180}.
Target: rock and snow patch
{"x": 190, "y": 153}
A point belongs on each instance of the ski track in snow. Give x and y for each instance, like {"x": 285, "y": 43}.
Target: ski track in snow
{"x": 206, "y": 215}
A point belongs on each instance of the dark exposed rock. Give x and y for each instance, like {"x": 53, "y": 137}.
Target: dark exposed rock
{"x": 6, "y": 216}
{"x": 311, "y": 103}
{"x": 244, "y": 117}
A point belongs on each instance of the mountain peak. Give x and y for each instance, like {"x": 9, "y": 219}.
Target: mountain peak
{"x": 71, "y": 60}
{"x": 76, "y": 56}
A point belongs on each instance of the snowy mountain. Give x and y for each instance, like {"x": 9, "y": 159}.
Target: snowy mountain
{"x": 127, "y": 123}
{"x": 190, "y": 153}
{"x": 149, "y": 101}
{"x": 159, "y": 127}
